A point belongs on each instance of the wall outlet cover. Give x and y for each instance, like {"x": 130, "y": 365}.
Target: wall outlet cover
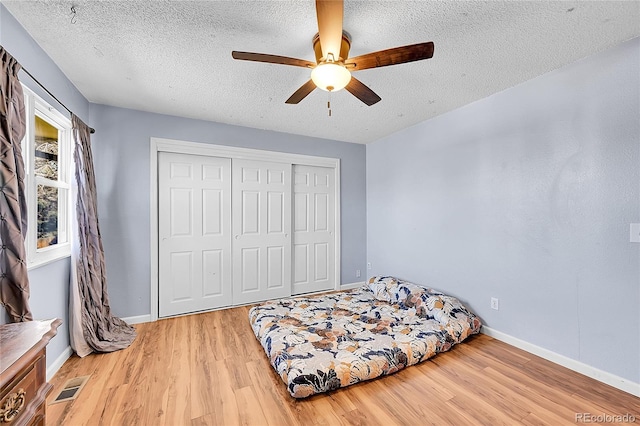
{"x": 495, "y": 303}
{"x": 634, "y": 233}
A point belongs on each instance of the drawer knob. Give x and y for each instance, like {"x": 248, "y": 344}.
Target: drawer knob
{"x": 12, "y": 406}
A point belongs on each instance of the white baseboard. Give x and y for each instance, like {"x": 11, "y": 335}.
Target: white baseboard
{"x": 349, "y": 286}
{"x": 139, "y": 319}
{"x": 577, "y": 366}
{"x": 147, "y": 318}
{"x": 55, "y": 366}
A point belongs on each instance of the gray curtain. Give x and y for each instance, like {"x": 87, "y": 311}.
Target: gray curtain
{"x": 14, "y": 281}
{"x": 102, "y": 331}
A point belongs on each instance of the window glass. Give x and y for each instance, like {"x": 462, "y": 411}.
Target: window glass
{"x": 47, "y": 216}
{"x": 46, "y": 146}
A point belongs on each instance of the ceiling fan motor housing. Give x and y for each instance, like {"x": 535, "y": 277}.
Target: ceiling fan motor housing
{"x": 344, "y": 47}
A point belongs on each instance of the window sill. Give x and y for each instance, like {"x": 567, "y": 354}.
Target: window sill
{"x": 46, "y": 257}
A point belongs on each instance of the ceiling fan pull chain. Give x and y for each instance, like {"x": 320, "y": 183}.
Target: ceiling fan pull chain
{"x": 329, "y": 104}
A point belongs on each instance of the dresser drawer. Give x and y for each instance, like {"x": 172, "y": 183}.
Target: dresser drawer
{"x": 18, "y": 398}
{"x": 23, "y": 371}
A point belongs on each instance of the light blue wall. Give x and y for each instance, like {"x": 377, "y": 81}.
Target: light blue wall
{"x": 50, "y": 299}
{"x": 526, "y": 196}
{"x": 49, "y": 284}
{"x": 121, "y": 149}
{"x": 121, "y": 153}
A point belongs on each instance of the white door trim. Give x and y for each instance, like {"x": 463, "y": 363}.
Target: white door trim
{"x": 196, "y": 148}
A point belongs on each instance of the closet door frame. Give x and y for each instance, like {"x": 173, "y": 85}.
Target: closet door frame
{"x": 195, "y": 148}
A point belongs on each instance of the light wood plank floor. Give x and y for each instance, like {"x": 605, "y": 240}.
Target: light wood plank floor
{"x": 209, "y": 369}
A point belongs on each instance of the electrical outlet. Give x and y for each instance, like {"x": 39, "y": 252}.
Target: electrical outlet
{"x": 368, "y": 265}
{"x": 495, "y": 303}
{"x": 357, "y": 273}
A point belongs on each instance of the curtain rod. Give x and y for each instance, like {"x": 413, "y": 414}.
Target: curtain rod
{"x": 91, "y": 129}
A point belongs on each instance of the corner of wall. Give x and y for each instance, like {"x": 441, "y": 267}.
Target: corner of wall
{"x": 53, "y": 368}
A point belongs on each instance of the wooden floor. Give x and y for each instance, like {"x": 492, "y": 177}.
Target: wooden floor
{"x": 209, "y": 369}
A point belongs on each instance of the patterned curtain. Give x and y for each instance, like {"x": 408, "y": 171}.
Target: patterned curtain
{"x": 102, "y": 331}
{"x": 14, "y": 281}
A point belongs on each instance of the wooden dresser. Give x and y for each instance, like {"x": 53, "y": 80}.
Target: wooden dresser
{"x": 23, "y": 371}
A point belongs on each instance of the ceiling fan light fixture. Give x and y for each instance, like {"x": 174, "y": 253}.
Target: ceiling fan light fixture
{"x": 330, "y": 76}
{"x": 333, "y": 65}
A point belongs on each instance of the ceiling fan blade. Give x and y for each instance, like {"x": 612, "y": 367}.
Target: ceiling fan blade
{"x": 394, "y": 56}
{"x": 362, "y": 92}
{"x": 301, "y": 93}
{"x": 272, "y": 59}
{"x": 330, "y": 14}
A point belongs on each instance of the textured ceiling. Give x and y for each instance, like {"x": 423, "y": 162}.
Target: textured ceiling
{"x": 174, "y": 57}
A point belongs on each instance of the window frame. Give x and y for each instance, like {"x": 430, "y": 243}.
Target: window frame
{"x": 36, "y": 106}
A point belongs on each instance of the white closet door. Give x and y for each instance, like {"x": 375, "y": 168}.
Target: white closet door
{"x": 261, "y": 230}
{"x": 194, "y": 220}
{"x": 314, "y": 229}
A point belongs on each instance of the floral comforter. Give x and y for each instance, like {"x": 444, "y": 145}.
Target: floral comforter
{"x": 321, "y": 343}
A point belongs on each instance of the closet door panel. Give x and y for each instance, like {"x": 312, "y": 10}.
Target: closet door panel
{"x": 212, "y": 267}
{"x": 261, "y": 227}
{"x": 314, "y": 229}
{"x": 194, "y": 229}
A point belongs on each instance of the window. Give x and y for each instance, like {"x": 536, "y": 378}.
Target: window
{"x": 46, "y": 149}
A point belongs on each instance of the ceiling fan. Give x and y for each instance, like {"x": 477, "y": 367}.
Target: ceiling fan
{"x": 333, "y": 67}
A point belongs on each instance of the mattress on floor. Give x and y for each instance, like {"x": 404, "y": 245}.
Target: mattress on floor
{"x": 321, "y": 343}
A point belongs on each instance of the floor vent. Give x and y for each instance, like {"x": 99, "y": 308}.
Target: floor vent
{"x": 71, "y": 389}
